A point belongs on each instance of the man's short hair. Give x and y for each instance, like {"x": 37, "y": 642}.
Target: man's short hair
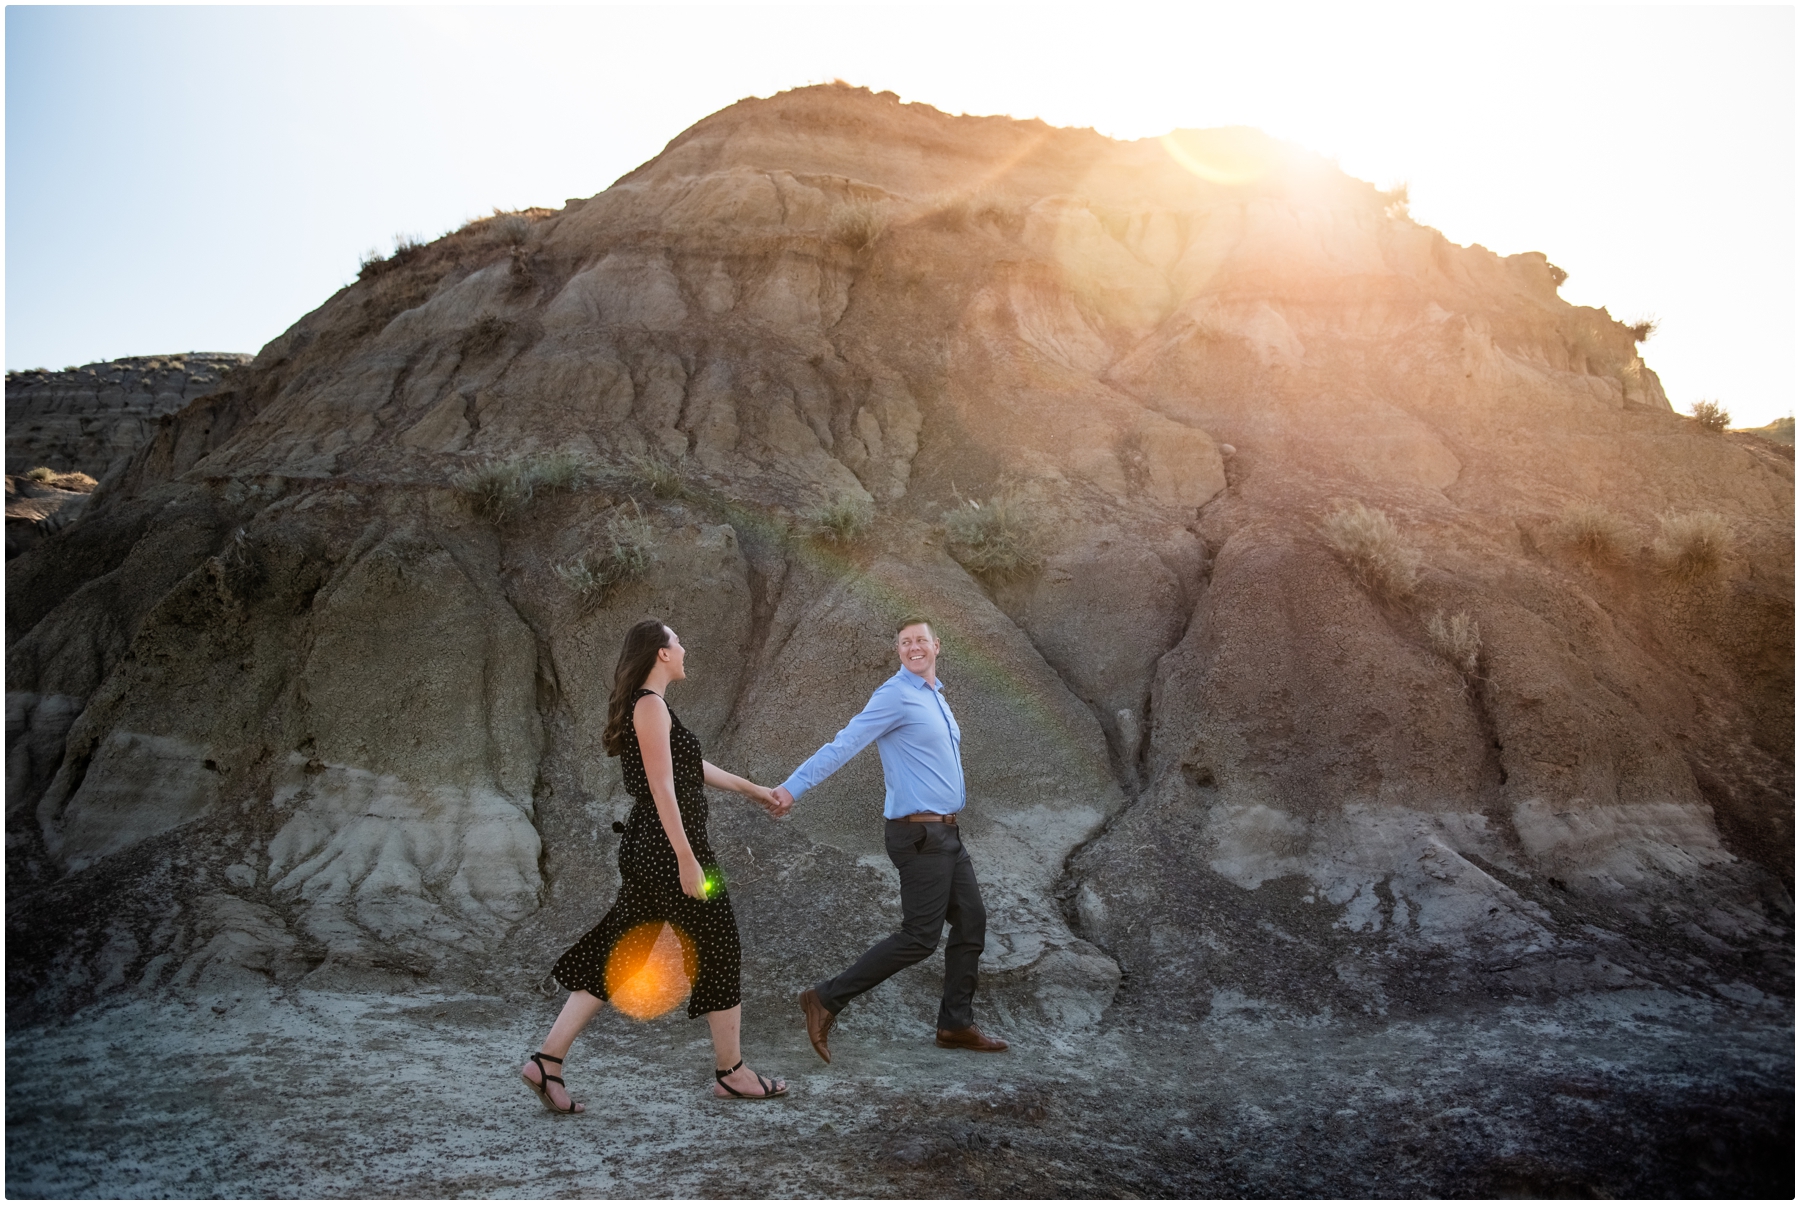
{"x": 913, "y": 621}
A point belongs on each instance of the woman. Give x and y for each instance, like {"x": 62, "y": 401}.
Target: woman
{"x": 669, "y": 873}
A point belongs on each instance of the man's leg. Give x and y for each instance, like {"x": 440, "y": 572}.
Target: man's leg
{"x": 968, "y": 937}
{"x": 926, "y": 873}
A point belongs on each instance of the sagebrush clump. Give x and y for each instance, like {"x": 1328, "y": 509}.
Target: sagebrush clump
{"x": 841, "y": 521}
{"x": 77, "y": 482}
{"x": 1710, "y": 415}
{"x": 374, "y": 263}
{"x": 625, "y": 556}
{"x": 503, "y": 488}
{"x": 1457, "y": 639}
{"x": 1693, "y": 547}
{"x": 1593, "y": 532}
{"x": 654, "y": 475}
{"x": 1372, "y": 548}
{"x": 997, "y": 538}
{"x": 960, "y": 211}
{"x": 512, "y": 228}
{"x": 857, "y": 224}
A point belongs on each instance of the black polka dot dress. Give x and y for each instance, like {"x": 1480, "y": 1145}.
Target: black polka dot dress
{"x": 651, "y": 890}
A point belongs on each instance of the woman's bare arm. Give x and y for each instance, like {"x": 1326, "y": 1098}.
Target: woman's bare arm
{"x": 724, "y": 780}
{"x": 651, "y": 719}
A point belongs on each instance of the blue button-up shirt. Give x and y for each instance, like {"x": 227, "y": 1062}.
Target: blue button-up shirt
{"x": 920, "y": 744}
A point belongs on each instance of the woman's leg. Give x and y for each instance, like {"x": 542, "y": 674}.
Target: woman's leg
{"x": 577, "y": 1011}
{"x": 726, "y": 1053}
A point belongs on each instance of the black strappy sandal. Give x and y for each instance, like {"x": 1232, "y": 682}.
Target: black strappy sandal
{"x": 542, "y": 1091}
{"x": 768, "y": 1085}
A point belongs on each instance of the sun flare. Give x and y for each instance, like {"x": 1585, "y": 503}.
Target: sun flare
{"x": 651, "y": 970}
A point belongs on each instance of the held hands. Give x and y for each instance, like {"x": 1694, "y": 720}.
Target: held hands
{"x": 777, "y": 803}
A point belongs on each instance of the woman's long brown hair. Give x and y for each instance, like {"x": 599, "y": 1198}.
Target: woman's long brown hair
{"x": 646, "y": 638}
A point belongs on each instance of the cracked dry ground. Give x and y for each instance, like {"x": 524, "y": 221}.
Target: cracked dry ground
{"x": 314, "y": 1094}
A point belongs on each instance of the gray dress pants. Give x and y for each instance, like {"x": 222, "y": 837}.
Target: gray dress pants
{"x": 937, "y": 884}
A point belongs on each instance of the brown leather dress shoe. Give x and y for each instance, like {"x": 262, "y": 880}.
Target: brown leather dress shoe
{"x": 818, "y": 1021}
{"x": 969, "y": 1039}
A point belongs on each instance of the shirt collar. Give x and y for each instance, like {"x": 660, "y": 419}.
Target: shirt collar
{"x": 917, "y": 682}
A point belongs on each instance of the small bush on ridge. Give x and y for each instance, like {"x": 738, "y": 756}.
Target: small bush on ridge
{"x": 1711, "y": 415}
{"x": 1371, "y": 547}
{"x": 374, "y": 263}
{"x": 512, "y": 228}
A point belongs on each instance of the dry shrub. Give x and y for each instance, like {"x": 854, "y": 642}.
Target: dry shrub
{"x": 374, "y": 263}
{"x": 1642, "y": 329}
{"x": 486, "y": 337}
{"x": 1396, "y": 202}
{"x": 1456, "y": 639}
{"x": 1693, "y": 547}
{"x": 625, "y": 556}
{"x": 857, "y": 224}
{"x": 654, "y": 475}
{"x": 842, "y": 521}
{"x": 75, "y": 482}
{"x": 1593, "y": 532}
{"x": 997, "y": 538}
{"x": 504, "y": 488}
{"x": 961, "y": 211}
{"x": 1711, "y": 415}
{"x": 1371, "y": 547}
{"x": 512, "y": 228}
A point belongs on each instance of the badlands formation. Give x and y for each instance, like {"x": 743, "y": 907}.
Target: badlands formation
{"x": 310, "y": 697}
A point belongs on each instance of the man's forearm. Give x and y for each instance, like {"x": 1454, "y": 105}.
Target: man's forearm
{"x": 867, "y": 724}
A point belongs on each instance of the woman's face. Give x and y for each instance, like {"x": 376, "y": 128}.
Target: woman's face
{"x": 673, "y": 656}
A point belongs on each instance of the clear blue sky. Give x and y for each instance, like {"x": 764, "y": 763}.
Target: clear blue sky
{"x": 198, "y": 178}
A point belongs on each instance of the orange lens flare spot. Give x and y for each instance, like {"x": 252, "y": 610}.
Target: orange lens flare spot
{"x": 651, "y": 970}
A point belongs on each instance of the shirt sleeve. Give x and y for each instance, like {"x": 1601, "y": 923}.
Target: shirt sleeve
{"x": 875, "y": 719}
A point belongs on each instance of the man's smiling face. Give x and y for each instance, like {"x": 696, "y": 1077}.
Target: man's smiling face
{"x": 918, "y": 650}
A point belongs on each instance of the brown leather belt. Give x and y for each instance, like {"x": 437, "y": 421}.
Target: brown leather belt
{"x": 928, "y": 818}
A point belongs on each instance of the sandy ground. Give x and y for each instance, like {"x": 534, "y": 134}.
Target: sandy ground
{"x": 316, "y": 1094}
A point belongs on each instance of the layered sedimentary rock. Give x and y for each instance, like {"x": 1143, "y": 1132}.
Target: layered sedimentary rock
{"x": 315, "y": 687}
{"x": 91, "y": 419}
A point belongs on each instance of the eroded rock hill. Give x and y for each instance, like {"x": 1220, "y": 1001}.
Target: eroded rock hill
{"x": 92, "y": 418}
{"x": 313, "y": 690}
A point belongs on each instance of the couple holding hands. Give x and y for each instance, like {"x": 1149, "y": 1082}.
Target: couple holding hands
{"x": 669, "y": 873}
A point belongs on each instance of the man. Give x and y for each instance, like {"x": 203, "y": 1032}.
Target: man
{"x": 921, "y": 760}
